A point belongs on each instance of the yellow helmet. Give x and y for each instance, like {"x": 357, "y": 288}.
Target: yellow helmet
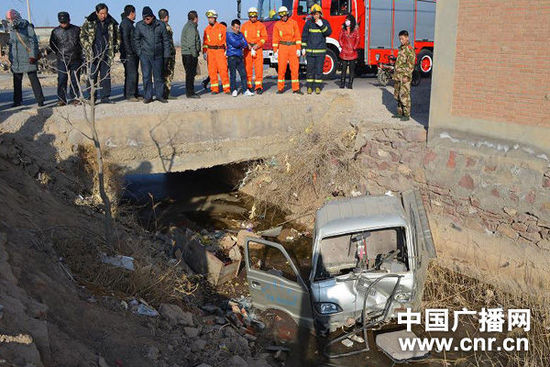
{"x": 316, "y": 8}
{"x": 253, "y": 12}
{"x": 211, "y": 13}
{"x": 283, "y": 10}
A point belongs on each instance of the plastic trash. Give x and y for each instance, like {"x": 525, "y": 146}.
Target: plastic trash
{"x": 119, "y": 261}
{"x": 347, "y": 343}
{"x": 146, "y": 310}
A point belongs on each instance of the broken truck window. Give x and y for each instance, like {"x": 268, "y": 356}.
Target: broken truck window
{"x": 271, "y": 260}
{"x": 382, "y": 250}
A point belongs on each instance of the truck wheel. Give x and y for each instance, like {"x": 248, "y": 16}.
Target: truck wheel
{"x": 382, "y": 77}
{"x": 425, "y": 62}
{"x": 330, "y": 65}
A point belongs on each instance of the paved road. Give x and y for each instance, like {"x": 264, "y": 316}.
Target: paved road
{"x": 367, "y": 84}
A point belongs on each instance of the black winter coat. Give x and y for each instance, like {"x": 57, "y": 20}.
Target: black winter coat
{"x": 65, "y": 42}
{"x": 152, "y": 39}
{"x": 127, "y": 38}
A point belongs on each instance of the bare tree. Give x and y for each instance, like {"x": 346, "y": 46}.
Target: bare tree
{"x": 88, "y": 69}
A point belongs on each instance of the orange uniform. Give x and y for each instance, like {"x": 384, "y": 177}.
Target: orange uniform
{"x": 255, "y": 33}
{"x": 214, "y": 46}
{"x": 287, "y": 39}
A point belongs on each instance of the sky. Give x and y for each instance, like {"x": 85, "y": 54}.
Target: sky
{"x": 44, "y": 12}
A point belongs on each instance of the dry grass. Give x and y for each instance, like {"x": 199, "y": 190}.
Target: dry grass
{"x": 320, "y": 163}
{"x": 153, "y": 280}
{"x": 452, "y": 290}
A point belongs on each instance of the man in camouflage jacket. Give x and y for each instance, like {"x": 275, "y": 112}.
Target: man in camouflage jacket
{"x": 168, "y": 72}
{"x": 404, "y": 66}
{"x": 99, "y": 37}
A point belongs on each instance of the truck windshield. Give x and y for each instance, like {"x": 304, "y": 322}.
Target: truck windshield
{"x": 382, "y": 250}
{"x": 268, "y": 8}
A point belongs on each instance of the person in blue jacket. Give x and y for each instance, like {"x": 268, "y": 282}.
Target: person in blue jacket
{"x": 235, "y": 58}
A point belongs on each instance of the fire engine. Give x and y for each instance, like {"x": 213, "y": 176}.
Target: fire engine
{"x": 379, "y": 23}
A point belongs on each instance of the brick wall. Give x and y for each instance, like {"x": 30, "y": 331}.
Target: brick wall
{"x": 502, "y": 65}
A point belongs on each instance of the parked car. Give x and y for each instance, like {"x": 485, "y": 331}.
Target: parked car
{"x": 369, "y": 259}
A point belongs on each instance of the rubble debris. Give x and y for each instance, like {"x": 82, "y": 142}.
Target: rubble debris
{"x": 210, "y": 308}
{"x": 235, "y": 254}
{"x": 101, "y": 362}
{"x": 175, "y": 315}
{"x": 146, "y": 310}
{"x": 288, "y": 235}
{"x": 191, "y": 332}
{"x": 119, "y": 261}
{"x": 202, "y": 260}
{"x": 153, "y": 353}
{"x": 271, "y": 232}
{"x": 141, "y": 307}
{"x": 227, "y": 242}
{"x": 237, "y": 361}
{"x": 242, "y": 235}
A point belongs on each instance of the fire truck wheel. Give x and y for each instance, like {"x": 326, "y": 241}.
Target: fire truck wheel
{"x": 425, "y": 62}
{"x": 331, "y": 65}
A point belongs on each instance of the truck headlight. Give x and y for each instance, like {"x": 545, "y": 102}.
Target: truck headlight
{"x": 326, "y": 308}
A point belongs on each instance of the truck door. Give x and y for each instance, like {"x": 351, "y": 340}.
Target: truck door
{"x": 422, "y": 241}
{"x": 274, "y": 281}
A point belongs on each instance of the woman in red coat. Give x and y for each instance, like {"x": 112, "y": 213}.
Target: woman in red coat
{"x": 349, "y": 41}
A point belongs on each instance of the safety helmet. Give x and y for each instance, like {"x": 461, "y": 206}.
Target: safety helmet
{"x": 252, "y": 12}
{"x": 212, "y": 13}
{"x": 316, "y": 8}
{"x": 283, "y": 11}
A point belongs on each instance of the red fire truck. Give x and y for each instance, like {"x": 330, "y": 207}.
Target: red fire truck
{"x": 379, "y": 24}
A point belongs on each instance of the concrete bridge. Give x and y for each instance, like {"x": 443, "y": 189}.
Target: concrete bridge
{"x": 214, "y": 130}
{"x": 190, "y": 134}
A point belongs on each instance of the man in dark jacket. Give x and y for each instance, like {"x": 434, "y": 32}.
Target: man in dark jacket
{"x": 65, "y": 42}
{"x": 99, "y": 40}
{"x": 314, "y": 45}
{"x": 190, "y": 48}
{"x": 152, "y": 45}
{"x": 128, "y": 55}
{"x": 23, "y": 56}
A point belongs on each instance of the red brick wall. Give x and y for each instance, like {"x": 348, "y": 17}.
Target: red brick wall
{"x": 502, "y": 65}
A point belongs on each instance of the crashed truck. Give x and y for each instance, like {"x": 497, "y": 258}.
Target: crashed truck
{"x": 369, "y": 262}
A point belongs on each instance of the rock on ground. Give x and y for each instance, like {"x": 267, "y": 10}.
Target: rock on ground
{"x": 175, "y": 315}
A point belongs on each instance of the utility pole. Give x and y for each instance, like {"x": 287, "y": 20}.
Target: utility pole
{"x": 238, "y": 9}
{"x": 29, "y": 11}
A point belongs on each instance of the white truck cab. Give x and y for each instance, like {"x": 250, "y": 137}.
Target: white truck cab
{"x": 369, "y": 260}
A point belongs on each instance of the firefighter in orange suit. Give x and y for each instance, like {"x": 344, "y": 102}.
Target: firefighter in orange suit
{"x": 287, "y": 43}
{"x": 255, "y": 34}
{"x": 214, "y": 53}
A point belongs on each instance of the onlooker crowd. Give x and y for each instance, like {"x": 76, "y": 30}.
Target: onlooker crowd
{"x": 91, "y": 49}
